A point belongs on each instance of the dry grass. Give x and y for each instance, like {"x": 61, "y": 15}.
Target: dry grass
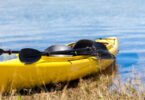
{"x": 93, "y": 87}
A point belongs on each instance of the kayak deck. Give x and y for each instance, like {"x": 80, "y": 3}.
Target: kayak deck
{"x": 17, "y": 75}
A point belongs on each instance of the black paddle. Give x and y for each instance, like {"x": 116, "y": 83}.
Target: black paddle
{"x": 29, "y": 55}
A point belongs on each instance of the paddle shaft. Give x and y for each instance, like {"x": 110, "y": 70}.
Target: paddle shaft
{"x": 8, "y": 51}
{"x": 66, "y": 52}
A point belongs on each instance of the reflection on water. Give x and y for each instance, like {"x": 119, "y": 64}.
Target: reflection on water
{"x": 39, "y": 24}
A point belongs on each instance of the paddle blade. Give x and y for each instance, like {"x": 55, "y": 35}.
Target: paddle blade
{"x": 29, "y": 55}
{"x": 1, "y": 51}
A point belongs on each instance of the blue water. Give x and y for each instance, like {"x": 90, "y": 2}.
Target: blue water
{"x": 41, "y": 23}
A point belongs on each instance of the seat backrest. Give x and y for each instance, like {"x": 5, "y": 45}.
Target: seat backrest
{"x": 100, "y": 46}
{"x": 83, "y": 43}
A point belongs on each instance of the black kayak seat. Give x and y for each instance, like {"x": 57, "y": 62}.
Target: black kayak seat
{"x": 98, "y": 48}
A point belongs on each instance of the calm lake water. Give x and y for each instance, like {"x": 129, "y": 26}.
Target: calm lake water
{"x": 41, "y": 23}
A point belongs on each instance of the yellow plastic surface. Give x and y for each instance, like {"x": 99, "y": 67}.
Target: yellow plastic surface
{"x": 17, "y": 75}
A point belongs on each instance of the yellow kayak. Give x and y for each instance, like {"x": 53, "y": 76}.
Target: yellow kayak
{"x": 17, "y": 75}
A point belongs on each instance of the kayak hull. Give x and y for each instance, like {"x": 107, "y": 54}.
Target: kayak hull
{"x": 17, "y": 75}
